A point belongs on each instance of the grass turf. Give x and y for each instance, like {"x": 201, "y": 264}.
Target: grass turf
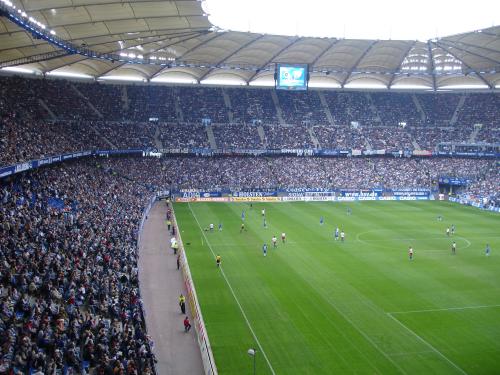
{"x": 317, "y": 306}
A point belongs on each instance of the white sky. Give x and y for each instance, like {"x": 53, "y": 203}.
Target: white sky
{"x": 354, "y": 19}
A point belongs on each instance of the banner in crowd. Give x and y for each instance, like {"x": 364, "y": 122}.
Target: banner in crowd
{"x": 13, "y": 169}
{"x": 472, "y": 203}
{"x": 412, "y": 192}
{"x": 32, "y": 164}
{"x": 455, "y": 181}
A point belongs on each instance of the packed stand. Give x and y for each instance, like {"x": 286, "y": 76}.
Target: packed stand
{"x": 396, "y": 108}
{"x": 175, "y": 136}
{"x": 390, "y": 138}
{"x": 489, "y": 134}
{"x": 62, "y": 99}
{"x": 339, "y": 137}
{"x": 250, "y": 105}
{"x": 438, "y": 108}
{"x": 237, "y": 136}
{"x": 70, "y": 300}
{"x": 301, "y": 107}
{"x": 480, "y": 109}
{"x": 145, "y": 102}
{"x": 25, "y": 135}
{"x": 289, "y": 136}
{"x": 19, "y": 100}
{"x": 286, "y": 172}
{"x": 126, "y": 135}
{"x": 486, "y": 189}
{"x": 203, "y": 103}
{"x": 106, "y": 98}
{"x": 24, "y": 140}
{"x": 429, "y": 137}
{"x": 347, "y": 107}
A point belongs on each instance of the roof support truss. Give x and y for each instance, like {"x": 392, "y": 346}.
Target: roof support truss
{"x": 465, "y": 64}
{"x": 450, "y": 44}
{"x": 202, "y": 43}
{"x": 34, "y": 58}
{"x": 268, "y": 61}
{"x": 322, "y": 53}
{"x": 432, "y": 67}
{"x": 398, "y": 69}
{"x": 230, "y": 55}
{"x": 349, "y": 73}
{"x": 117, "y": 2}
{"x": 133, "y": 18}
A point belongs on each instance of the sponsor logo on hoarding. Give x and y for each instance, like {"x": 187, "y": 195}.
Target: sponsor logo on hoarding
{"x": 22, "y": 167}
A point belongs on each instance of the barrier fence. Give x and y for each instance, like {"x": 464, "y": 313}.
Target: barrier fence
{"x": 145, "y": 214}
{"x": 199, "y": 325}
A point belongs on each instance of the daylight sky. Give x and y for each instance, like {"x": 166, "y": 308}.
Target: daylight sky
{"x": 354, "y": 19}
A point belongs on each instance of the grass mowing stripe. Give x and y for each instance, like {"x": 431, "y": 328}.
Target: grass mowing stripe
{"x": 346, "y": 318}
{"x": 232, "y": 292}
{"x": 368, "y": 338}
{"x": 444, "y": 309}
{"x": 303, "y": 334}
{"x": 428, "y": 344}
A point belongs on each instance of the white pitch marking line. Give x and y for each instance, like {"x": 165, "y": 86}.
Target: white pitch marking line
{"x": 444, "y": 309}
{"x": 466, "y": 240}
{"x": 426, "y": 343}
{"x": 367, "y": 338}
{"x": 410, "y": 353}
{"x": 234, "y": 295}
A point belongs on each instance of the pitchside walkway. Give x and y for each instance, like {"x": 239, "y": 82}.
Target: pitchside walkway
{"x": 161, "y": 283}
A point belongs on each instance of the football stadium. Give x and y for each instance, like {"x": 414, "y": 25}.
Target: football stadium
{"x": 248, "y": 187}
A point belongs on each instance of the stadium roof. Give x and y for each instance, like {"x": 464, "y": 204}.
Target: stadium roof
{"x": 174, "y": 41}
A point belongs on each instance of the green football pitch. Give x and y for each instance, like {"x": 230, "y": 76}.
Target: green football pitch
{"x": 318, "y": 306}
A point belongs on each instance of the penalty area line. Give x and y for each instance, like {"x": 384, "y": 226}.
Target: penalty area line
{"x": 428, "y": 344}
{"x": 234, "y": 295}
{"x": 444, "y": 309}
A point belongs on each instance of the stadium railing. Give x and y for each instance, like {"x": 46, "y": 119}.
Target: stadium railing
{"x": 201, "y": 331}
{"x": 145, "y": 214}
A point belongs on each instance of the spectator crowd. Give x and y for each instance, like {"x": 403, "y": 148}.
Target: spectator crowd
{"x": 211, "y": 173}
{"x": 79, "y": 115}
{"x": 69, "y": 292}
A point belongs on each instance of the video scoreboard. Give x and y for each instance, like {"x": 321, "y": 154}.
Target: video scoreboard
{"x": 291, "y": 76}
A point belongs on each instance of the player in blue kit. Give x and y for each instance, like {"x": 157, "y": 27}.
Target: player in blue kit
{"x": 321, "y": 220}
{"x": 337, "y": 234}
{"x": 243, "y": 215}
{"x": 264, "y": 249}
{"x": 488, "y": 250}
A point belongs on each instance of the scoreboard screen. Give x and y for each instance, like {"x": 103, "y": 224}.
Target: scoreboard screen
{"x": 291, "y": 77}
